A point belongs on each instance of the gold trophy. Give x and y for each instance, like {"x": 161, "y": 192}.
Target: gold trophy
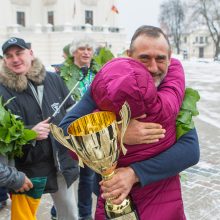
{"x": 94, "y": 138}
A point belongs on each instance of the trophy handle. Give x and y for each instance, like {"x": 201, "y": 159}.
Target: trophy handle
{"x": 58, "y": 134}
{"x": 125, "y": 114}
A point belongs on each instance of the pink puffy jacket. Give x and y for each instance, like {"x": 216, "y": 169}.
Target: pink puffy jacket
{"x": 124, "y": 79}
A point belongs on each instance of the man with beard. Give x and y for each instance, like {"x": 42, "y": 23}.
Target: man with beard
{"x": 150, "y": 46}
{"x": 37, "y": 94}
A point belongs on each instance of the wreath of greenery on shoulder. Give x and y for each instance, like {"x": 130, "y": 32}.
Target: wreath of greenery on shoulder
{"x": 184, "y": 121}
{"x": 103, "y": 56}
{"x": 13, "y": 134}
{"x": 69, "y": 68}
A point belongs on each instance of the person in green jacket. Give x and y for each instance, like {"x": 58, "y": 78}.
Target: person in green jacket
{"x": 81, "y": 66}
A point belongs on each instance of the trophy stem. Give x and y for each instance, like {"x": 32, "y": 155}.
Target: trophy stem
{"x": 108, "y": 176}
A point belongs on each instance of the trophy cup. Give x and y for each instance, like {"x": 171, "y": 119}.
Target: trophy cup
{"x": 94, "y": 138}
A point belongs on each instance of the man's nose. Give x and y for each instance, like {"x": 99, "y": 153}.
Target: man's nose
{"x": 14, "y": 58}
{"x": 152, "y": 66}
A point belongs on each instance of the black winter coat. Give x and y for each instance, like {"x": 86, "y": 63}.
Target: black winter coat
{"x": 44, "y": 158}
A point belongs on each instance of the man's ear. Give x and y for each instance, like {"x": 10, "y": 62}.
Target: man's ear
{"x": 32, "y": 54}
{"x": 128, "y": 52}
{"x": 169, "y": 57}
{"x": 73, "y": 53}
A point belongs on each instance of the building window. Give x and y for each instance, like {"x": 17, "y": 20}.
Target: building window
{"x": 206, "y": 39}
{"x": 21, "y": 18}
{"x": 89, "y": 17}
{"x": 185, "y": 39}
{"x": 201, "y": 40}
{"x": 50, "y": 17}
{"x": 196, "y": 39}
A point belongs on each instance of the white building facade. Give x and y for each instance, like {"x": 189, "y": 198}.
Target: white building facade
{"x": 48, "y": 25}
{"x": 198, "y": 43}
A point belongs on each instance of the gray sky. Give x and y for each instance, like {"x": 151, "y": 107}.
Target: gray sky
{"x": 134, "y": 13}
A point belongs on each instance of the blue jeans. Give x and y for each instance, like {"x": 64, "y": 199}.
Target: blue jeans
{"x": 3, "y": 194}
{"x": 96, "y": 187}
{"x": 85, "y": 189}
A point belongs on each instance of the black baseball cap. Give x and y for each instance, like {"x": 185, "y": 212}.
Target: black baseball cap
{"x": 14, "y": 41}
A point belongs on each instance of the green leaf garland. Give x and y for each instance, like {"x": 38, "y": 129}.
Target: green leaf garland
{"x": 13, "y": 134}
{"x": 184, "y": 121}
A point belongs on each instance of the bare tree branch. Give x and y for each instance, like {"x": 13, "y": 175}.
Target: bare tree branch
{"x": 172, "y": 20}
{"x": 208, "y": 11}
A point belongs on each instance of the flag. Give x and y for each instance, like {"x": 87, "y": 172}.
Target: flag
{"x": 114, "y": 9}
{"x": 24, "y": 205}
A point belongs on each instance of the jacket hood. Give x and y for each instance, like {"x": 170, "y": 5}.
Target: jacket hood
{"x": 120, "y": 80}
{"x": 19, "y": 83}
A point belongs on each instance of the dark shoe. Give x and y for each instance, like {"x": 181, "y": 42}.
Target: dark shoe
{"x": 53, "y": 213}
{"x": 3, "y": 204}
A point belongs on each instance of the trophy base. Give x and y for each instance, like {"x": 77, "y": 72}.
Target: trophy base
{"x": 130, "y": 216}
{"x": 124, "y": 211}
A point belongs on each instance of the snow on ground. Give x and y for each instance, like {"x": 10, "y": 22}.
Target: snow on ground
{"x": 205, "y": 77}
{"x": 201, "y": 192}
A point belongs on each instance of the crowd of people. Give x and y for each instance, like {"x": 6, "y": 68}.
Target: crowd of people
{"x": 153, "y": 85}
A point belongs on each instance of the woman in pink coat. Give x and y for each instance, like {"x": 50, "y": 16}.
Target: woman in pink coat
{"x": 125, "y": 79}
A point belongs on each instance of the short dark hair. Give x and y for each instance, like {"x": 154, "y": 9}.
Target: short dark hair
{"x": 150, "y": 31}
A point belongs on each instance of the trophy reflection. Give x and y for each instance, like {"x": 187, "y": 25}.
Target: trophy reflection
{"x": 95, "y": 140}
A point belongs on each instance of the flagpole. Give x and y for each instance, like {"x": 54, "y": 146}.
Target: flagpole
{"x": 74, "y": 10}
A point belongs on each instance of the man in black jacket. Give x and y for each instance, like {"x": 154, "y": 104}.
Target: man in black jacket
{"x": 37, "y": 95}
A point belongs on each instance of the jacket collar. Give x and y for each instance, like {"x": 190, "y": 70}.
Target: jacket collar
{"x": 19, "y": 83}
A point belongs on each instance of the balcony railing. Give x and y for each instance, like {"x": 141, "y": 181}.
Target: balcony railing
{"x": 200, "y": 44}
{"x": 38, "y": 28}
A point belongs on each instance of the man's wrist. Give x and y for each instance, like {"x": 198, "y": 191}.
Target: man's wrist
{"x": 135, "y": 177}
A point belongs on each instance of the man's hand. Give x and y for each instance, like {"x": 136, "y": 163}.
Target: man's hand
{"x": 143, "y": 132}
{"x": 26, "y": 186}
{"x": 42, "y": 129}
{"x": 119, "y": 186}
